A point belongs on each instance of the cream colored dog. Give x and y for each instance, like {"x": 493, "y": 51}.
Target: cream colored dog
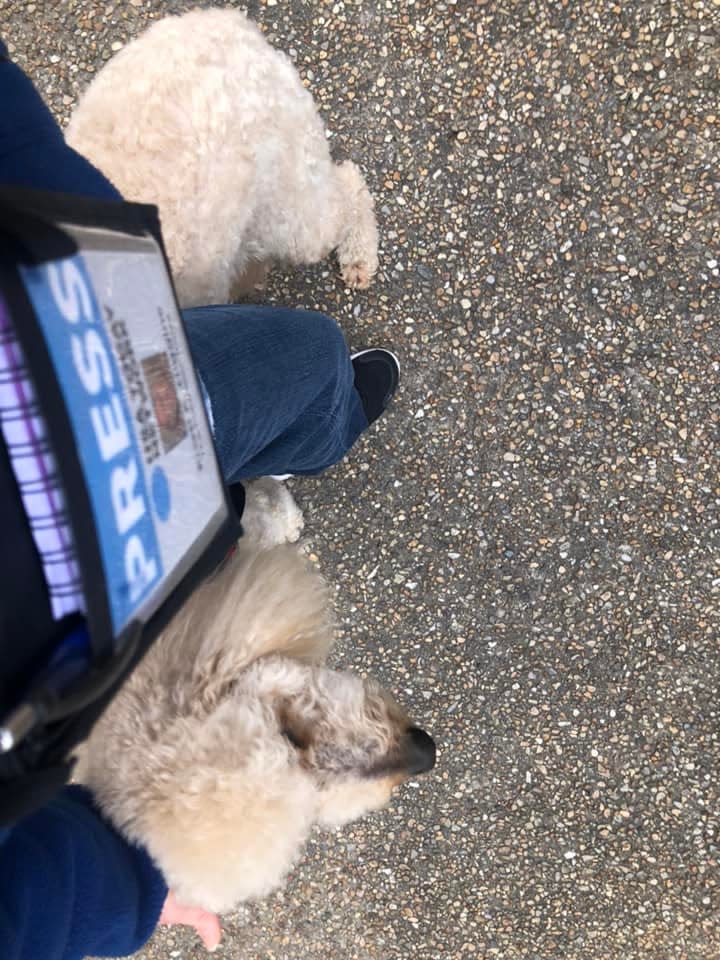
{"x": 231, "y": 739}
{"x": 201, "y": 116}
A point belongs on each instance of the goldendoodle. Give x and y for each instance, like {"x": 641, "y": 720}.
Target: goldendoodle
{"x": 201, "y": 116}
{"x": 231, "y": 739}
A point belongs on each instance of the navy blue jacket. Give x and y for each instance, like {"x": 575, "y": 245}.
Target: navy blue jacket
{"x": 33, "y": 152}
{"x": 70, "y": 886}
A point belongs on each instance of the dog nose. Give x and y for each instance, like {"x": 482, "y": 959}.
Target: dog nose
{"x": 419, "y": 751}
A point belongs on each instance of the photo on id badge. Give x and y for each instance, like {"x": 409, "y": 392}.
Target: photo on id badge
{"x": 168, "y": 412}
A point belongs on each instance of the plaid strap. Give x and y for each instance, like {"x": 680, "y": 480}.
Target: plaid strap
{"x": 36, "y": 473}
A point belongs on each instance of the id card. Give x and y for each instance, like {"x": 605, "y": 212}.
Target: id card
{"x": 110, "y": 321}
{"x": 91, "y": 296}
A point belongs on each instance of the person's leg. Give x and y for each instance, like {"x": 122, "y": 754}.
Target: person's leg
{"x": 281, "y": 388}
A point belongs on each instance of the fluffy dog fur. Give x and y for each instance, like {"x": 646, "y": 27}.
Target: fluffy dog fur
{"x": 231, "y": 739}
{"x": 201, "y": 116}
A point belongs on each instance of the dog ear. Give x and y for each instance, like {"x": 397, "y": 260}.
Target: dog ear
{"x": 297, "y": 729}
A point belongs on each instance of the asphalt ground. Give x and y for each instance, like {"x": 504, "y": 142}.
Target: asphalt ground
{"x": 526, "y": 548}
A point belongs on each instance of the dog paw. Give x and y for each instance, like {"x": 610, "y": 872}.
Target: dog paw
{"x": 357, "y": 275}
{"x": 292, "y": 518}
{"x": 271, "y": 515}
{"x": 253, "y": 279}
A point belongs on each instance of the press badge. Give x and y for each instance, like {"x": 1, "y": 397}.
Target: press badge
{"x": 92, "y": 300}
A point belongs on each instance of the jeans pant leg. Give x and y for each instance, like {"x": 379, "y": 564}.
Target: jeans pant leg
{"x": 281, "y": 388}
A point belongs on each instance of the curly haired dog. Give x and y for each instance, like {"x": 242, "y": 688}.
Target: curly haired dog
{"x": 231, "y": 739}
{"x": 201, "y": 116}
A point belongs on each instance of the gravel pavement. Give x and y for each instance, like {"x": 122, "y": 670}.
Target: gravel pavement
{"x": 527, "y": 549}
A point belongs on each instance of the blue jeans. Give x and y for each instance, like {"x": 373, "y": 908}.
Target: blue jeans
{"x": 280, "y": 382}
{"x": 281, "y": 388}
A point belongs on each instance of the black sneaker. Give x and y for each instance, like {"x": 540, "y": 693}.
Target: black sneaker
{"x": 377, "y": 375}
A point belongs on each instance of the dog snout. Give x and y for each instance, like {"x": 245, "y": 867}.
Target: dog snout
{"x": 419, "y": 751}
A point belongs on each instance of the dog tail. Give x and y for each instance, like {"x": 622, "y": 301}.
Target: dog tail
{"x": 358, "y": 249}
